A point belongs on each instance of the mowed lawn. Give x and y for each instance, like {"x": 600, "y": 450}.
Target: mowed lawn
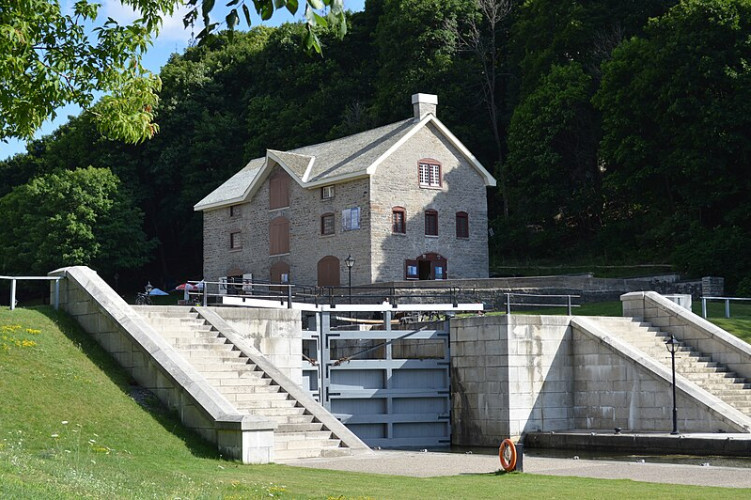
{"x": 70, "y": 428}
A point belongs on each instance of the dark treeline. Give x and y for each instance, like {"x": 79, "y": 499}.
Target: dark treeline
{"x": 619, "y": 132}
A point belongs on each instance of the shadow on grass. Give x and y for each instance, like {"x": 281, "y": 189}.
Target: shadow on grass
{"x": 167, "y": 418}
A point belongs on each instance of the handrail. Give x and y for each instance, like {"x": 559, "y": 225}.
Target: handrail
{"x": 727, "y": 304}
{"x": 568, "y": 298}
{"x": 331, "y": 295}
{"x": 13, "y": 279}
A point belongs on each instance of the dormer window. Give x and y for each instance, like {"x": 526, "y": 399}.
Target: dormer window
{"x": 327, "y": 192}
{"x": 429, "y": 173}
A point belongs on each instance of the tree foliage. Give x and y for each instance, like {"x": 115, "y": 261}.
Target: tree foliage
{"x": 71, "y": 217}
{"x": 50, "y": 57}
{"x": 676, "y": 107}
{"x": 552, "y": 157}
{"x": 656, "y": 170}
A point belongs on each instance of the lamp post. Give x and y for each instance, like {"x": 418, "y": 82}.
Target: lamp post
{"x": 349, "y": 261}
{"x": 671, "y": 345}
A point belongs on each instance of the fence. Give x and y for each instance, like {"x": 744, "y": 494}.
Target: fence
{"x": 14, "y": 279}
{"x": 727, "y": 301}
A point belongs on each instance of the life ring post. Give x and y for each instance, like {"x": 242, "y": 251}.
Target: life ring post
{"x": 508, "y": 455}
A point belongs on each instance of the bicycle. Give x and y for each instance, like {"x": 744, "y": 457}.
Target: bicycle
{"x": 143, "y": 299}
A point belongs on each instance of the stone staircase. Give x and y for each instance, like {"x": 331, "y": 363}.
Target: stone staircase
{"x": 695, "y": 366}
{"x": 298, "y": 435}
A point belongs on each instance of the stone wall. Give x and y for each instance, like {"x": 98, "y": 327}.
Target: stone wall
{"x": 509, "y": 375}
{"x": 155, "y": 365}
{"x": 307, "y": 245}
{"x": 396, "y": 184}
{"x": 274, "y": 332}
{"x": 517, "y": 374}
{"x": 617, "y": 386}
{"x": 696, "y": 331}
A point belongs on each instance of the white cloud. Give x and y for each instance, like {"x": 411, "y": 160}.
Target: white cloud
{"x": 172, "y": 29}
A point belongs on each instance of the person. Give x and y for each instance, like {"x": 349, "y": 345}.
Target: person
{"x": 148, "y": 288}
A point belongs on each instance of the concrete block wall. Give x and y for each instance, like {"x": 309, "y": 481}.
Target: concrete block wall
{"x": 616, "y": 385}
{"x": 517, "y": 374}
{"x": 510, "y": 375}
{"x": 154, "y": 364}
{"x": 274, "y": 332}
{"x": 690, "y": 328}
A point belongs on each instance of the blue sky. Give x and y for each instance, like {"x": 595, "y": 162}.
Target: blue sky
{"x": 173, "y": 38}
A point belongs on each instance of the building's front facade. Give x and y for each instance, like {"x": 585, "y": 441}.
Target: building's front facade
{"x": 405, "y": 201}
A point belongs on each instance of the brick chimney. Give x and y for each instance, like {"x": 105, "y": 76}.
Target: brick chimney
{"x": 424, "y": 104}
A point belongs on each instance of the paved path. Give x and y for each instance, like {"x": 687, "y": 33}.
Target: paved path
{"x": 427, "y": 464}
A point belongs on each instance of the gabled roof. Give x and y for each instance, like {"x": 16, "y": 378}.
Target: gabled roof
{"x": 332, "y": 162}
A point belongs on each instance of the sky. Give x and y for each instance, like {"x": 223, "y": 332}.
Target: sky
{"x": 173, "y": 38}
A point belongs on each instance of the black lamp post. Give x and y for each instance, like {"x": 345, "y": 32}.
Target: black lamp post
{"x": 349, "y": 261}
{"x": 672, "y": 344}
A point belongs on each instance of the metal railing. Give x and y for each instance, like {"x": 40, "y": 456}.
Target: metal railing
{"x": 206, "y": 291}
{"x": 727, "y": 301}
{"x": 14, "y": 279}
{"x": 538, "y": 303}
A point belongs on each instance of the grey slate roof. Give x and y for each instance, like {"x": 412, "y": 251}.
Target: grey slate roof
{"x": 333, "y": 161}
{"x": 355, "y": 153}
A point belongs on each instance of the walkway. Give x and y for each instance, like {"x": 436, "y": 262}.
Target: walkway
{"x": 427, "y": 464}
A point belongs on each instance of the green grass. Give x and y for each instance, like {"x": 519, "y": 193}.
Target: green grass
{"x": 739, "y": 323}
{"x": 70, "y": 429}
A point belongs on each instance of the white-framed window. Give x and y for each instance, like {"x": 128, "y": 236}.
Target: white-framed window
{"x": 351, "y": 219}
{"x": 430, "y": 174}
{"x": 327, "y": 192}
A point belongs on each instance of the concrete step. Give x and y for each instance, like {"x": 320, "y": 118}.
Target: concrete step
{"x": 333, "y": 451}
{"x": 299, "y": 427}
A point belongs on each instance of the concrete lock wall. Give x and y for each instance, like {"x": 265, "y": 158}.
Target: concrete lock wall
{"x": 615, "y": 385}
{"x": 155, "y": 365}
{"x": 274, "y": 332}
{"x": 517, "y": 374}
{"x": 696, "y": 331}
{"x": 510, "y": 375}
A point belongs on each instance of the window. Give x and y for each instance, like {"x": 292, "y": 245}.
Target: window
{"x": 462, "y": 225}
{"x": 235, "y": 210}
{"x": 430, "y": 174}
{"x": 410, "y": 270}
{"x": 235, "y": 241}
{"x": 279, "y": 190}
{"x": 398, "y": 220}
{"x": 279, "y": 236}
{"x": 351, "y": 219}
{"x": 327, "y": 192}
{"x": 431, "y": 223}
{"x": 327, "y": 224}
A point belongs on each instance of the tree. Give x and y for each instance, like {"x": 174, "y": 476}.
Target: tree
{"x": 50, "y": 58}
{"x": 72, "y": 217}
{"x": 552, "y": 153}
{"x": 676, "y": 106}
{"x": 480, "y": 34}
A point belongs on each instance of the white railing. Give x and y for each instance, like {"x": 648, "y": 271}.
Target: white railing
{"x": 727, "y": 304}
{"x": 14, "y": 279}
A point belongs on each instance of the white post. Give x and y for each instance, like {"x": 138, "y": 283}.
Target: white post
{"x": 12, "y": 294}
{"x": 704, "y": 307}
{"x": 727, "y": 308}
{"x": 57, "y": 294}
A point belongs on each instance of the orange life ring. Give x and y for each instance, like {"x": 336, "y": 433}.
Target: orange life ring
{"x": 510, "y": 464}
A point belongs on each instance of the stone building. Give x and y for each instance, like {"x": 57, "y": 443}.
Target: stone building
{"x": 406, "y": 201}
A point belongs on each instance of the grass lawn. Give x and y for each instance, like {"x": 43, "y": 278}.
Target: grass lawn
{"x": 69, "y": 428}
